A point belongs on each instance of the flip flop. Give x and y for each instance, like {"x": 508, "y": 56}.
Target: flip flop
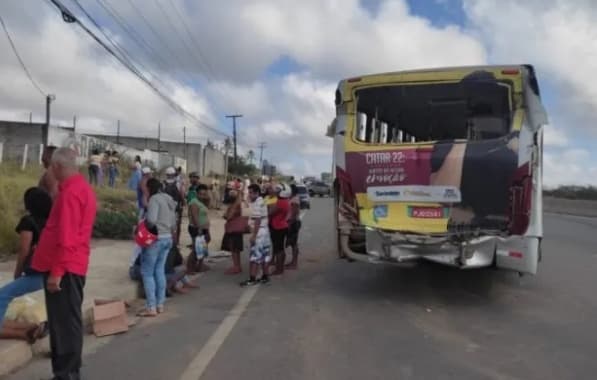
{"x": 147, "y": 313}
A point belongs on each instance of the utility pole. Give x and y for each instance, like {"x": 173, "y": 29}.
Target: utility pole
{"x": 234, "y": 117}
{"x": 159, "y": 135}
{"x": 74, "y": 123}
{"x": 118, "y": 132}
{"x": 46, "y": 127}
{"x": 30, "y": 117}
{"x": 184, "y": 141}
{"x": 227, "y": 148}
{"x": 262, "y": 146}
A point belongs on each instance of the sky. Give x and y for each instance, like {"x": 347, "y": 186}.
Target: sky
{"x": 278, "y": 62}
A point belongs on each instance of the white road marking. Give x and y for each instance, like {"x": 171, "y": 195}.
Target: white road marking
{"x": 199, "y": 364}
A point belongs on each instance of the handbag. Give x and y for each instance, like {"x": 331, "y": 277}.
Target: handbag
{"x": 144, "y": 236}
{"x": 238, "y": 225}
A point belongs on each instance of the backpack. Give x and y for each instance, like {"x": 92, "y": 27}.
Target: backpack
{"x": 172, "y": 190}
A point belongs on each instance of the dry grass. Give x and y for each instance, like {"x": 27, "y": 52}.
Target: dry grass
{"x": 14, "y": 182}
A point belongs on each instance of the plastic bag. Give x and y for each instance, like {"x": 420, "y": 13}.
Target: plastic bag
{"x": 26, "y": 309}
{"x": 200, "y": 247}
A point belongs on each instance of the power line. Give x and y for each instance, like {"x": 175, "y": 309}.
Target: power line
{"x": 68, "y": 16}
{"x": 157, "y": 35}
{"x": 131, "y": 32}
{"x": 200, "y": 55}
{"x": 115, "y": 45}
{"x": 16, "y": 52}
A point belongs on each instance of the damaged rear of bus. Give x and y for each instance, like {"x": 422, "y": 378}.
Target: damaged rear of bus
{"x": 442, "y": 165}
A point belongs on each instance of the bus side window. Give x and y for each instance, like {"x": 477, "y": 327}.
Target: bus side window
{"x": 361, "y": 127}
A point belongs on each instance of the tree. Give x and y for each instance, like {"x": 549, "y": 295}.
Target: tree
{"x": 242, "y": 167}
{"x": 251, "y": 157}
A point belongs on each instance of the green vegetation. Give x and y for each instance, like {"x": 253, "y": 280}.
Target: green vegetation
{"x": 241, "y": 167}
{"x": 574, "y": 192}
{"x": 13, "y": 183}
{"x": 115, "y": 220}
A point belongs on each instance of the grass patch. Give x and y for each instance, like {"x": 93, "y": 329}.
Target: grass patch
{"x": 13, "y": 183}
{"x": 116, "y": 207}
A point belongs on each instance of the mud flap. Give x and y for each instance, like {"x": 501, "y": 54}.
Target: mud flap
{"x": 520, "y": 254}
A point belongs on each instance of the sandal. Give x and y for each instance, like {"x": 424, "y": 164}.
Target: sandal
{"x": 147, "y": 313}
{"x": 43, "y": 331}
{"x": 233, "y": 271}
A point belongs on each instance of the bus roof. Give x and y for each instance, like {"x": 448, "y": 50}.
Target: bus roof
{"x": 453, "y": 69}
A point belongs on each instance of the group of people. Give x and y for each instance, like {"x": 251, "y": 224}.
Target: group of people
{"x": 159, "y": 266}
{"x": 274, "y": 226}
{"x": 55, "y": 237}
{"x": 54, "y": 248}
{"x": 100, "y": 164}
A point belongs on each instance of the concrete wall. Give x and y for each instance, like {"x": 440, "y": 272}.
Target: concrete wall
{"x": 192, "y": 157}
{"x": 214, "y": 162}
{"x": 21, "y": 141}
{"x": 84, "y": 145}
{"x": 199, "y": 159}
{"x": 193, "y": 151}
{"x": 15, "y": 133}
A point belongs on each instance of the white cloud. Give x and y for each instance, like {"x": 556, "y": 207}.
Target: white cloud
{"x": 328, "y": 40}
{"x": 558, "y": 37}
{"x": 569, "y": 167}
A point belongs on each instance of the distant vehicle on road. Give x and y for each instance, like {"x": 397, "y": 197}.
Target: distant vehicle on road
{"x": 442, "y": 165}
{"x": 319, "y": 188}
{"x": 304, "y": 198}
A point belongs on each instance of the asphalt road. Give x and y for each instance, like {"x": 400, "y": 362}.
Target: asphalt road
{"x": 338, "y": 320}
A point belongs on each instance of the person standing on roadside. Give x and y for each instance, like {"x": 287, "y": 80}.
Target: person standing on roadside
{"x": 143, "y": 191}
{"x": 215, "y": 192}
{"x": 95, "y": 165}
{"x": 198, "y": 226}
{"x": 260, "y": 253}
{"x": 161, "y": 214}
{"x": 233, "y": 241}
{"x": 194, "y": 183}
{"x": 47, "y": 182}
{"x": 294, "y": 226}
{"x": 113, "y": 171}
{"x": 246, "y": 183}
{"x": 173, "y": 187}
{"x": 279, "y": 226}
{"x": 62, "y": 255}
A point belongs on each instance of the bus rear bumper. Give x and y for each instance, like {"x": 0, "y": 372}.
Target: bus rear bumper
{"x": 396, "y": 248}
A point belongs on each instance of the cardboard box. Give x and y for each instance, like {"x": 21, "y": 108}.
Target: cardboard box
{"x": 110, "y": 318}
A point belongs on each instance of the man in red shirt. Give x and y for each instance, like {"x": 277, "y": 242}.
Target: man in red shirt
{"x": 62, "y": 254}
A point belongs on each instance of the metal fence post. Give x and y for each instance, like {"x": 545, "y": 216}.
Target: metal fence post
{"x": 1, "y": 151}
{"x": 25, "y": 153}
{"x": 41, "y": 152}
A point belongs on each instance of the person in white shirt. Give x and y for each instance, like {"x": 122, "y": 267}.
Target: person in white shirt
{"x": 246, "y": 184}
{"x": 260, "y": 254}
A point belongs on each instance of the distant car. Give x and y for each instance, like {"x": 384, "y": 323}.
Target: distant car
{"x": 304, "y": 198}
{"x": 320, "y": 188}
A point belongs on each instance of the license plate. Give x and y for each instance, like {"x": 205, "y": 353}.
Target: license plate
{"x": 426, "y": 212}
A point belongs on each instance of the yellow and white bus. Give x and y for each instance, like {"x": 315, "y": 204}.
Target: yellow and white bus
{"x": 441, "y": 164}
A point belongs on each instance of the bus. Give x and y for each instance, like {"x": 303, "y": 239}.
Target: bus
{"x": 442, "y": 165}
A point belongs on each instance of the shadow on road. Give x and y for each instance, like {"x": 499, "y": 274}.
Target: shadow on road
{"x": 421, "y": 283}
